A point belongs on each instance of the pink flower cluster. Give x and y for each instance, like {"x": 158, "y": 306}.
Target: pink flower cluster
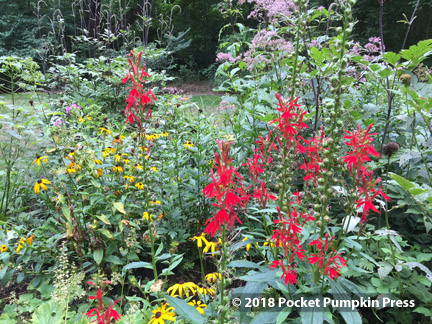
{"x": 270, "y": 8}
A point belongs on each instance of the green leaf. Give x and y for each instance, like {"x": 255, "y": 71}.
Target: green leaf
{"x": 104, "y": 219}
{"x": 404, "y": 183}
{"x": 243, "y": 264}
{"x": 136, "y": 265}
{"x": 120, "y": 207}
{"x": 114, "y": 259}
{"x": 339, "y": 294}
{"x": 312, "y": 315}
{"x": 265, "y": 318}
{"x": 106, "y": 233}
{"x": 391, "y": 58}
{"x": 48, "y": 313}
{"x": 188, "y": 312}
{"x": 283, "y": 315}
{"x": 98, "y": 256}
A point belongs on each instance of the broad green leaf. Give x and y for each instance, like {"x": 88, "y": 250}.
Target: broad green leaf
{"x": 404, "y": 183}
{"x": 351, "y": 316}
{"x": 136, "y": 265}
{"x": 242, "y": 264}
{"x": 391, "y": 58}
{"x": 313, "y": 315}
{"x": 188, "y": 312}
{"x": 120, "y": 207}
{"x": 48, "y": 313}
{"x": 114, "y": 259}
{"x": 98, "y": 256}
{"x": 283, "y": 315}
{"x": 104, "y": 219}
{"x": 106, "y": 233}
{"x": 265, "y": 318}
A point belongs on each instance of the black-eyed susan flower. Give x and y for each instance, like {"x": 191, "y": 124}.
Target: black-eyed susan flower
{"x": 213, "y": 276}
{"x": 117, "y": 168}
{"x": 99, "y": 173}
{"x": 104, "y": 130}
{"x": 154, "y": 169}
{"x": 138, "y": 166}
{"x": 139, "y": 185}
{"x": 200, "y": 239}
{"x": 181, "y": 288}
{"x": 211, "y": 246}
{"x": 155, "y": 202}
{"x": 164, "y": 134}
{"x": 199, "y": 305}
{"x": 40, "y": 159}
{"x": 97, "y": 161}
{"x": 3, "y": 248}
{"x": 108, "y": 151}
{"x": 202, "y": 290}
{"x": 188, "y": 144}
{"x": 73, "y": 168}
{"x": 162, "y": 314}
{"x": 117, "y": 157}
{"x": 41, "y": 184}
{"x": 131, "y": 179}
{"x": 118, "y": 139}
{"x": 147, "y": 216}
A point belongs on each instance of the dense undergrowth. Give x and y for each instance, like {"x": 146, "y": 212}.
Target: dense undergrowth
{"x": 124, "y": 201}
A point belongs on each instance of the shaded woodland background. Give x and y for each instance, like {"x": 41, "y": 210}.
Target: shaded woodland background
{"x": 187, "y": 28}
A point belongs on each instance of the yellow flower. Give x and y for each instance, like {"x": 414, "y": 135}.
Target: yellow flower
{"x": 117, "y": 157}
{"x": 97, "y": 161}
{"x": 118, "y": 139}
{"x": 3, "y": 248}
{"x": 19, "y": 248}
{"x": 139, "y": 185}
{"x": 211, "y": 246}
{"x": 126, "y": 161}
{"x": 154, "y": 169}
{"x": 73, "y": 168}
{"x": 155, "y": 202}
{"x": 185, "y": 288}
{"x": 199, "y": 305}
{"x": 188, "y": 145}
{"x": 117, "y": 168}
{"x": 138, "y": 166}
{"x": 164, "y": 134}
{"x": 213, "y": 276}
{"x": 130, "y": 178}
{"x": 81, "y": 120}
{"x": 104, "y": 130}
{"x": 108, "y": 151}
{"x": 30, "y": 239}
{"x": 99, "y": 173}
{"x": 268, "y": 243}
{"x": 248, "y": 246}
{"x": 39, "y": 159}
{"x": 89, "y": 117}
{"x": 206, "y": 291}
{"x": 162, "y": 314}
{"x": 148, "y": 216}
{"x": 200, "y": 239}
{"x": 41, "y": 184}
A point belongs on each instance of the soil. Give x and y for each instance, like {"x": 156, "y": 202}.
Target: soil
{"x": 196, "y": 89}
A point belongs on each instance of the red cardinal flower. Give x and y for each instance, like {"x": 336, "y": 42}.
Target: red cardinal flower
{"x": 103, "y": 316}
{"x": 227, "y": 189}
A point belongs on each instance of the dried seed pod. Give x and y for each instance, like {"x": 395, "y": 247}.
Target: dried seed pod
{"x": 390, "y": 148}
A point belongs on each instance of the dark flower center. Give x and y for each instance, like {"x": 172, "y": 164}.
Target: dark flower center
{"x": 39, "y": 181}
{"x": 158, "y": 314}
